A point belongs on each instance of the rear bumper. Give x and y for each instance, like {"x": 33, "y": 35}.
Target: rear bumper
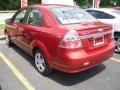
{"x": 79, "y": 60}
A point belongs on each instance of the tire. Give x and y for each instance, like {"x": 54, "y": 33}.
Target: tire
{"x": 117, "y": 39}
{"x": 41, "y": 63}
{"x": 8, "y": 39}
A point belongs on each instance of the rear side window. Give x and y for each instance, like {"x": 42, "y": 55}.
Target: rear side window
{"x": 103, "y": 15}
{"x": 93, "y": 13}
{"x": 34, "y": 17}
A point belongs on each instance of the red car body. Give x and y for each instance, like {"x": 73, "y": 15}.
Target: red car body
{"x": 49, "y": 38}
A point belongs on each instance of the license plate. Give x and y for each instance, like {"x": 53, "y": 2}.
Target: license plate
{"x": 98, "y": 40}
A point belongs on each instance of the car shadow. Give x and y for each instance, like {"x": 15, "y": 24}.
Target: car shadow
{"x": 24, "y": 55}
{"x": 73, "y": 79}
{"x": 62, "y": 78}
{"x": 117, "y": 52}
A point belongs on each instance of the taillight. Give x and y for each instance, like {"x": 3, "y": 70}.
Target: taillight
{"x": 71, "y": 40}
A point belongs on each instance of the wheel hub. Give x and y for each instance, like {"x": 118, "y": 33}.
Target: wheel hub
{"x": 118, "y": 45}
{"x": 40, "y": 62}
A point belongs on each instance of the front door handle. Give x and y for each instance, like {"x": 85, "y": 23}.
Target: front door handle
{"x": 15, "y": 25}
{"x": 20, "y": 29}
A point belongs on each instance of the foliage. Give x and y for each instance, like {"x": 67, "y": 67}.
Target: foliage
{"x": 2, "y": 26}
{"x": 34, "y": 2}
{"x": 104, "y": 3}
{"x": 15, "y": 4}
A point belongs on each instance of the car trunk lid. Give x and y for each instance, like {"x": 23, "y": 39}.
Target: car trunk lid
{"x": 93, "y": 35}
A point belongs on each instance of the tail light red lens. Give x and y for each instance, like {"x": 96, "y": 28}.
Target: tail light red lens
{"x": 71, "y": 40}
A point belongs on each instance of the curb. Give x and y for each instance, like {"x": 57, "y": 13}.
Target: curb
{"x": 2, "y": 37}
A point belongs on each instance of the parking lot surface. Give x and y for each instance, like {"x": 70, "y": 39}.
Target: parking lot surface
{"x": 18, "y": 72}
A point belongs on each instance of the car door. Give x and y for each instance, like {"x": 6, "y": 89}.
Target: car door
{"x": 15, "y": 29}
{"x": 33, "y": 23}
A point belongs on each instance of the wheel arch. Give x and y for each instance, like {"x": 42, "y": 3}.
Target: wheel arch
{"x": 117, "y": 33}
{"x": 37, "y": 44}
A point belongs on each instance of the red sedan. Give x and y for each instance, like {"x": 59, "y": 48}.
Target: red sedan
{"x": 60, "y": 37}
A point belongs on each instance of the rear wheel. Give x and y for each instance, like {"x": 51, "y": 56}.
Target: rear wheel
{"x": 8, "y": 39}
{"x": 41, "y": 63}
{"x": 117, "y": 39}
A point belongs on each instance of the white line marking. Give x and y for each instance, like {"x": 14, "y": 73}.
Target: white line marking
{"x": 17, "y": 73}
{"x": 115, "y": 60}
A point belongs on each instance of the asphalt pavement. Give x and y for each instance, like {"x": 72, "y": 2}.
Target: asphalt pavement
{"x": 18, "y": 72}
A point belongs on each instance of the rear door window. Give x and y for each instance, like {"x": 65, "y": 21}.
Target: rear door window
{"x": 103, "y": 15}
{"x": 34, "y": 18}
{"x": 92, "y": 13}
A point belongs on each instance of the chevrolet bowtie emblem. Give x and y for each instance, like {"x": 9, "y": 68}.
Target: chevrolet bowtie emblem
{"x": 100, "y": 29}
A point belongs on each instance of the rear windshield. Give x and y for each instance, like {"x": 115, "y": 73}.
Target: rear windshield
{"x": 116, "y": 11}
{"x": 71, "y": 15}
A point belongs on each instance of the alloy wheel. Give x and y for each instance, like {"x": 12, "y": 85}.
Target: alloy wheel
{"x": 40, "y": 61}
{"x": 117, "y": 49}
{"x": 8, "y": 39}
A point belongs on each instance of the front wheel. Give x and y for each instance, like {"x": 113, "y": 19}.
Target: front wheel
{"x": 41, "y": 63}
{"x": 117, "y": 39}
{"x": 8, "y": 39}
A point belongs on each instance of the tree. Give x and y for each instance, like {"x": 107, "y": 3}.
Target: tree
{"x": 34, "y": 2}
{"x": 3, "y": 4}
{"x": 106, "y": 3}
{"x": 15, "y": 4}
{"x": 84, "y": 3}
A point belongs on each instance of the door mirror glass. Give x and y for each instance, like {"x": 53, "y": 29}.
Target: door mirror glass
{"x": 19, "y": 18}
{"x": 8, "y": 20}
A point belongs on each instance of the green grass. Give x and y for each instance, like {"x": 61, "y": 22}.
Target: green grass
{"x": 2, "y": 26}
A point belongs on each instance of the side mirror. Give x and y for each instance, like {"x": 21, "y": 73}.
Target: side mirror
{"x": 8, "y": 21}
